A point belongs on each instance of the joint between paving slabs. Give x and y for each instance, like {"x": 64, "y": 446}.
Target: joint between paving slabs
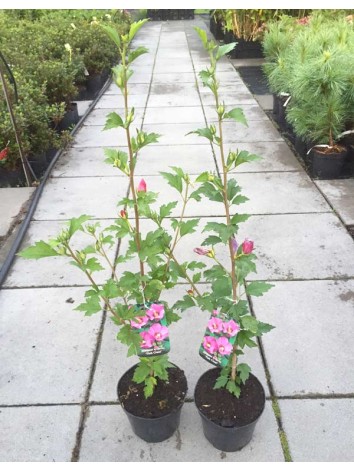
{"x": 273, "y": 397}
{"x": 86, "y": 404}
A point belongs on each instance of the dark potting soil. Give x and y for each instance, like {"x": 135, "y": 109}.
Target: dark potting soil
{"x": 167, "y": 396}
{"x": 223, "y": 408}
{"x": 255, "y": 79}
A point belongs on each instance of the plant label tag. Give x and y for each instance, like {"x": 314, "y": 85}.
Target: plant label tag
{"x": 151, "y": 325}
{"x": 219, "y": 339}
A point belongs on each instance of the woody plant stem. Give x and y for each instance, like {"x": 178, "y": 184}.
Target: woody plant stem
{"x": 131, "y": 163}
{"x": 228, "y": 219}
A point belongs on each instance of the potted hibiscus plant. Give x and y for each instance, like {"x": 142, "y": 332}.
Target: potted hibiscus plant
{"x": 152, "y": 392}
{"x": 229, "y": 398}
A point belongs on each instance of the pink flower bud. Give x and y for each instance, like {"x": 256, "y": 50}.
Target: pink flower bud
{"x": 141, "y": 186}
{"x": 247, "y": 246}
{"x": 201, "y": 251}
{"x": 234, "y": 245}
{"x": 204, "y": 252}
{"x": 123, "y": 214}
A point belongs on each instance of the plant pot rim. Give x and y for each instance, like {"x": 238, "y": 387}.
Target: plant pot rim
{"x": 230, "y": 428}
{"x": 173, "y": 412}
{"x": 333, "y": 153}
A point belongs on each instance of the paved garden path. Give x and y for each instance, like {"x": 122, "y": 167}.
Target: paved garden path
{"x": 58, "y": 370}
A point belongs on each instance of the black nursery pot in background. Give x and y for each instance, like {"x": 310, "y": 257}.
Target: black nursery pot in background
{"x": 146, "y": 418}
{"x": 71, "y": 117}
{"x": 327, "y": 166}
{"x": 228, "y": 434}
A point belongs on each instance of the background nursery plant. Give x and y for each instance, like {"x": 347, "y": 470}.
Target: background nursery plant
{"x": 231, "y": 327}
{"x": 133, "y": 298}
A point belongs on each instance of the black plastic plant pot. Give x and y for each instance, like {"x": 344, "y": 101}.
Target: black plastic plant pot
{"x": 94, "y": 84}
{"x": 327, "y": 166}
{"x": 300, "y": 146}
{"x": 71, "y": 117}
{"x": 152, "y": 430}
{"x": 228, "y": 438}
{"x": 38, "y": 163}
{"x": 275, "y": 105}
{"x": 247, "y": 49}
{"x": 11, "y": 177}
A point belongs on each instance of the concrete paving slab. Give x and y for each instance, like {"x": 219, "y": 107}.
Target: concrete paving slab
{"x": 171, "y": 66}
{"x": 117, "y": 101}
{"x": 133, "y": 89}
{"x": 164, "y": 115}
{"x": 265, "y": 101}
{"x": 291, "y": 192}
{"x": 98, "y": 116}
{"x": 84, "y": 162}
{"x": 257, "y": 61}
{"x": 154, "y": 159}
{"x": 46, "y": 348}
{"x": 270, "y": 193}
{"x": 140, "y": 78}
{"x": 12, "y": 201}
{"x": 319, "y": 430}
{"x": 251, "y": 112}
{"x": 53, "y": 271}
{"x": 340, "y": 194}
{"x": 308, "y": 316}
{"x": 96, "y": 136}
{"x": 112, "y": 361}
{"x": 313, "y": 246}
{"x": 189, "y": 99}
{"x": 38, "y": 433}
{"x": 313, "y": 255}
{"x": 68, "y": 198}
{"x": 176, "y": 134}
{"x": 108, "y": 437}
{"x": 227, "y": 88}
{"x": 276, "y": 157}
{"x": 173, "y": 77}
{"x": 166, "y": 194}
{"x": 174, "y": 89}
{"x": 256, "y": 131}
{"x": 239, "y": 98}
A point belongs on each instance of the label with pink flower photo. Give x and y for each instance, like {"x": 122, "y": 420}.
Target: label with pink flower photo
{"x": 219, "y": 339}
{"x": 151, "y": 325}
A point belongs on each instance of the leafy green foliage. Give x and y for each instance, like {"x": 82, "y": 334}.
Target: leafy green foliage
{"x": 225, "y": 49}
{"x": 137, "y": 53}
{"x": 238, "y": 115}
{"x": 39, "y": 250}
{"x": 113, "y": 120}
{"x": 256, "y": 289}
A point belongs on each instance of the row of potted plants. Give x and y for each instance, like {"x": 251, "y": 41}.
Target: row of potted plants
{"x": 246, "y": 27}
{"x": 310, "y": 70}
{"x": 152, "y": 392}
{"x": 59, "y": 56}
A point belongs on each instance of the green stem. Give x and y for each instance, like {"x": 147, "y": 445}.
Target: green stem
{"x": 132, "y": 167}
{"x": 89, "y": 276}
{"x": 177, "y": 231}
